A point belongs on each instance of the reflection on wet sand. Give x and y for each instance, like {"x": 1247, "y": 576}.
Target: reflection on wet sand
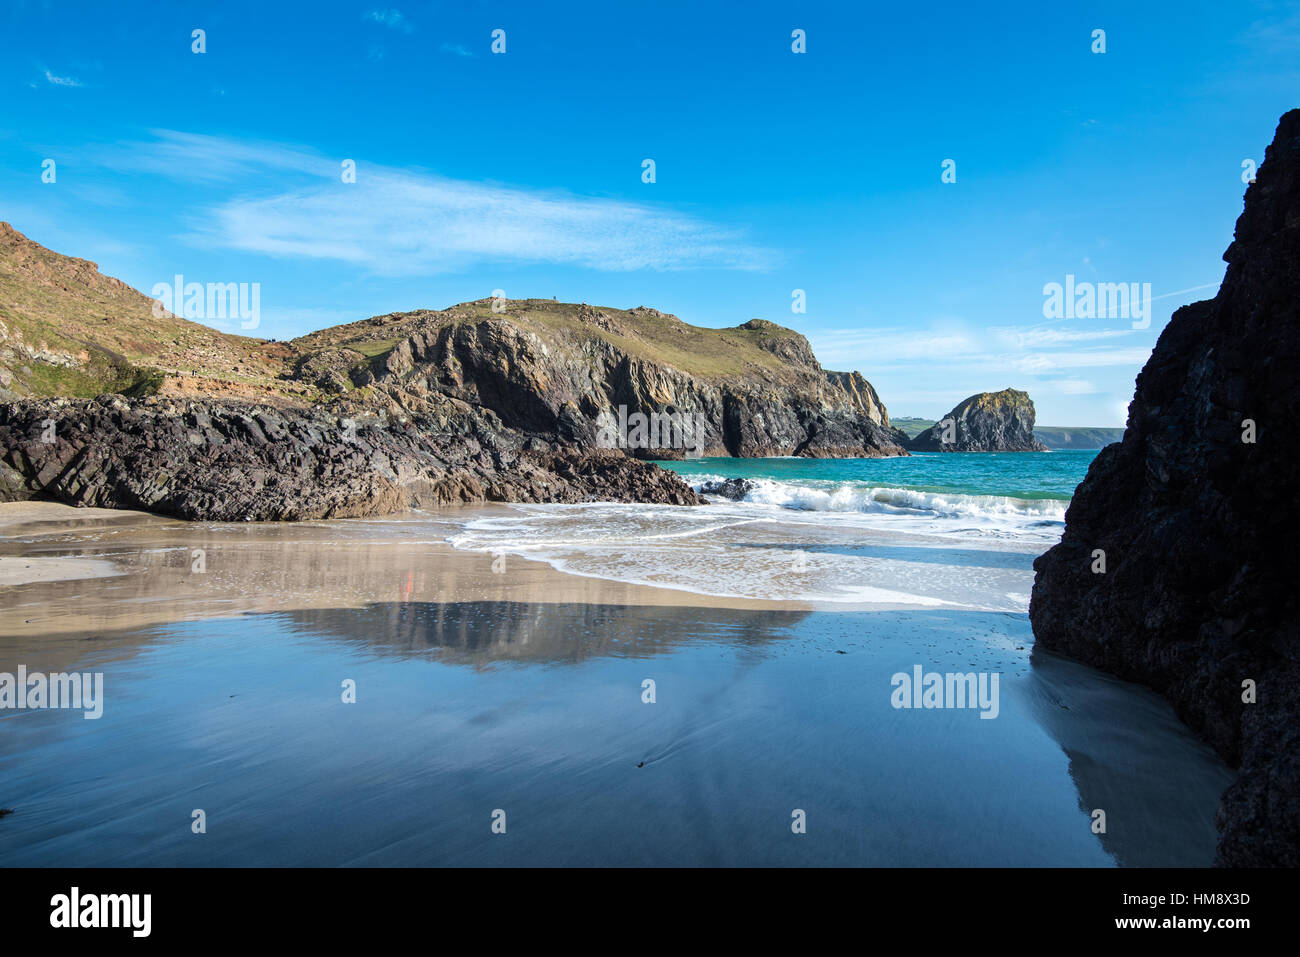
{"x": 478, "y": 690}
{"x": 1128, "y": 757}
{"x": 485, "y": 633}
{"x": 174, "y": 571}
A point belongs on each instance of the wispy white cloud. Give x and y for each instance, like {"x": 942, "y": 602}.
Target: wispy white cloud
{"x": 1034, "y": 349}
{"x": 211, "y": 160}
{"x": 1081, "y": 359}
{"x": 1277, "y": 35}
{"x": 62, "y": 80}
{"x": 1048, "y": 336}
{"x": 399, "y": 222}
{"x": 894, "y": 344}
{"x": 393, "y": 19}
{"x": 455, "y": 48}
{"x": 931, "y": 366}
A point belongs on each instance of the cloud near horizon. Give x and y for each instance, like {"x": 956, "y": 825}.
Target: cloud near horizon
{"x": 1039, "y": 358}
{"x": 1006, "y": 349}
{"x": 399, "y": 222}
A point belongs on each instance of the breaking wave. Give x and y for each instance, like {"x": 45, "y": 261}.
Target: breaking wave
{"x": 868, "y": 499}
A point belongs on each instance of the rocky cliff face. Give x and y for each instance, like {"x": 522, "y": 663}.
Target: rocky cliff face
{"x": 559, "y": 372}
{"x": 1195, "y": 513}
{"x": 529, "y": 400}
{"x": 988, "y": 422}
{"x": 545, "y": 368}
{"x": 240, "y": 462}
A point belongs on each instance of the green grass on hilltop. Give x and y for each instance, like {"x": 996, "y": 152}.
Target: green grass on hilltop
{"x": 643, "y": 334}
{"x": 911, "y": 425}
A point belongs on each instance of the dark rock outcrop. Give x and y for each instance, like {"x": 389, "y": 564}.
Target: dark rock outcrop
{"x": 732, "y": 488}
{"x": 1196, "y": 514}
{"x": 987, "y": 422}
{"x": 240, "y": 462}
{"x": 551, "y": 379}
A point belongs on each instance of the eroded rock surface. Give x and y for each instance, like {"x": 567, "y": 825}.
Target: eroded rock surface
{"x": 987, "y": 422}
{"x": 1196, "y": 514}
{"x": 240, "y": 462}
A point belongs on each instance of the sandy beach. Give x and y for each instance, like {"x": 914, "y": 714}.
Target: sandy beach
{"x": 58, "y": 552}
{"x": 224, "y": 648}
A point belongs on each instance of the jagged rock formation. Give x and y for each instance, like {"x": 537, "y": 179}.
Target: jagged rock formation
{"x": 241, "y": 462}
{"x": 1196, "y": 514}
{"x": 549, "y": 370}
{"x": 732, "y": 488}
{"x": 491, "y": 400}
{"x": 987, "y": 422}
{"x": 553, "y": 369}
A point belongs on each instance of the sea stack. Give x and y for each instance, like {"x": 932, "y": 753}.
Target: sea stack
{"x": 1178, "y": 565}
{"x": 987, "y": 422}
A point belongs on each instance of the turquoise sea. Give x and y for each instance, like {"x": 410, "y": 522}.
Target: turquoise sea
{"x": 1028, "y": 475}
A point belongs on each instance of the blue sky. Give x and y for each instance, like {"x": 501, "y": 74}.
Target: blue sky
{"x": 775, "y": 171}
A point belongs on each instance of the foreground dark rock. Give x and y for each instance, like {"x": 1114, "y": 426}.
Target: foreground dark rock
{"x": 732, "y": 488}
{"x": 987, "y": 422}
{"x": 1197, "y": 518}
{"x": 239, "y": 462}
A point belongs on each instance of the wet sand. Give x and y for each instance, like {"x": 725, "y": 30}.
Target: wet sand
{"x": 24, "y": 571}
{"x": 225, "y": 648}
{"x": 160, "y": 575}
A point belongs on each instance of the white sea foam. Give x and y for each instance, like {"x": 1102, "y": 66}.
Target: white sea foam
{"x": 853, "y": 497}
{"x": 821, "y": 543}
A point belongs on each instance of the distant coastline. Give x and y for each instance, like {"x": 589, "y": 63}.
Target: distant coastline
{"x": 1081, "y": 437}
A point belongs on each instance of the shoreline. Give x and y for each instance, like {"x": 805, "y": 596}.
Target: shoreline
{"x": 263, "y": 567}
{"x": 472, "y": 668}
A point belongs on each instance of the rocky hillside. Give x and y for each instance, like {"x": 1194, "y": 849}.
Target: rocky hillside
{"x": 987, "y": 422}
{"x": 910, "y": 425}
{"x": 68, "y": 330}
{"x": 1077, "y": 437}
{"x": 558, "y": 370}
{"x": 555, "y": 371}
{"x": 499, "y": 400}
{"x": 1195, "y": 514}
